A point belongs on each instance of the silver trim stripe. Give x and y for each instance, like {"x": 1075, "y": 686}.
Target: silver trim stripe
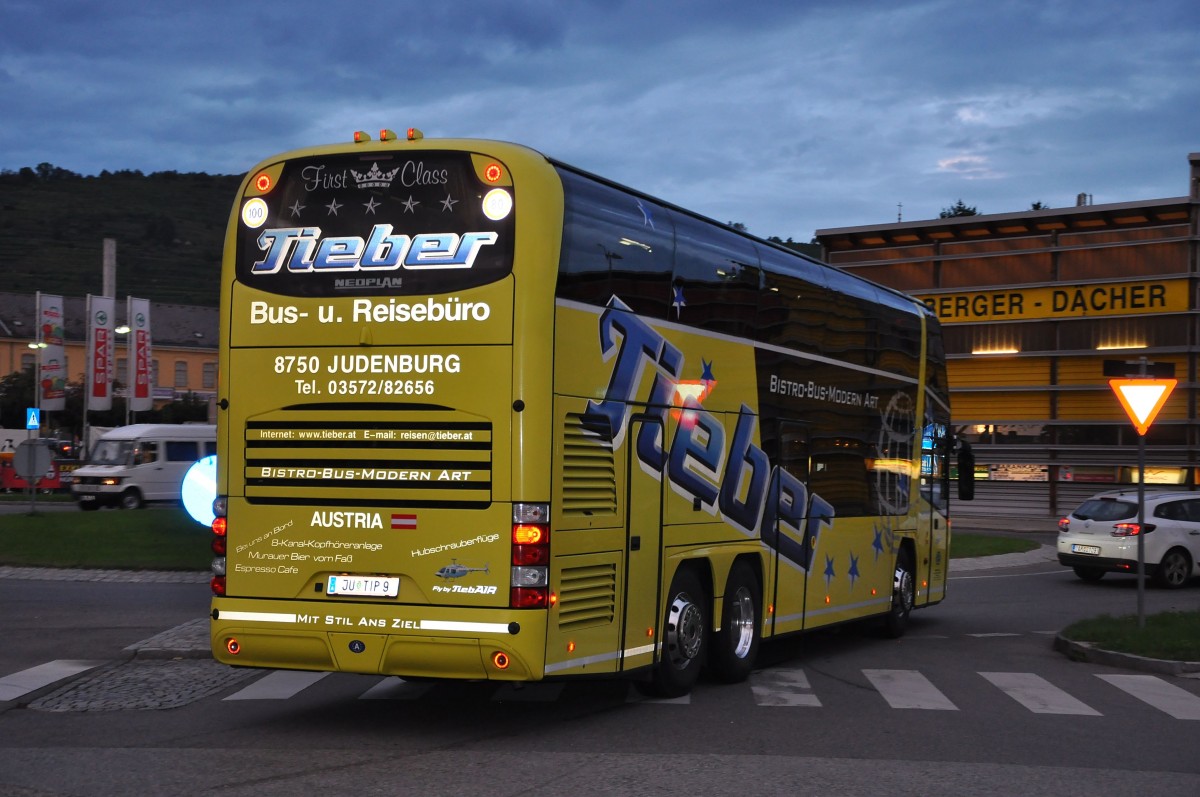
{"x": 423, "y": 625}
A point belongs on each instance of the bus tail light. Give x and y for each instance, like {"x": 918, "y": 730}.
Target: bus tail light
{"x": 530, "y": 575}
{"x": 220, "y": 528}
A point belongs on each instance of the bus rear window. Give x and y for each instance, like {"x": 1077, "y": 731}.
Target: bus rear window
{"x": 375, "y": 223}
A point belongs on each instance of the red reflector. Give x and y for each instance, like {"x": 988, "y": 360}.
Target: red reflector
{"x": 219, "y": 526}
{"x": 500, "y": 660}
{"x": 530, "y": 555}
{"x": 233, "y": 646}
{"x": 218, "y": 546}
{"x": 529, "y": 598}
{"x": 217, "y": 584}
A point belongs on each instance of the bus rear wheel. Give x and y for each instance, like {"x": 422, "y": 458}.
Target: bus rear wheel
{"x": 904, "y": 595}
{"x": 735, "y": 646}
{"x": 684, "y": 633}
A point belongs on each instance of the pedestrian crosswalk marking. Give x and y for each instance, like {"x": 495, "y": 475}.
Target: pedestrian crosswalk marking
{"x": 771, "y": 687}
{"x": 1037, "y": 694}
{"x": 528, "y": 693}
{"x": 393, "y": 688}
{"x": 1179, "y": 703}
{"x": 22, "y": 683}
{"x": 782, "y": 687}
{"x": 278, "y": 685}
{"x": 908, "y": 689}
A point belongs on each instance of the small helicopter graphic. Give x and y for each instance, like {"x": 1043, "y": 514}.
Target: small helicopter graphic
{"x": 455, "y": 570}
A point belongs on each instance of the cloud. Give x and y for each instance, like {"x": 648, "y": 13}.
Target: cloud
{"x": 784, "y": 116}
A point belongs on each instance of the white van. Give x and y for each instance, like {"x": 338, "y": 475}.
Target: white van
{"x": 131, "y": 465}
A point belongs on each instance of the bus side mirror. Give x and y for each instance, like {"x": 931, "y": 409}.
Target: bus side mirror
{"x": 966, "y": 471}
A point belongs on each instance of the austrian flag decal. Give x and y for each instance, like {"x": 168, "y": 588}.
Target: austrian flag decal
{"x": 404, "y": 522}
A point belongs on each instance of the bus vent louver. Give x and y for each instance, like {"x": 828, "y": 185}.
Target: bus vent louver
{"x": 589, "y": 472}
{"x": 587, "y": 596}
{"x": 299, "y": 457}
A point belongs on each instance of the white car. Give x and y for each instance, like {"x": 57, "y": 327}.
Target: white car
{"x": 1101, "y": 536}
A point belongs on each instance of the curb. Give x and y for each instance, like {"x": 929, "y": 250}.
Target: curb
{"x": 1087, "y": 652}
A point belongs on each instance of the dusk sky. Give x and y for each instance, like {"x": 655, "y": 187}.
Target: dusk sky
{"x": 785, "y": 116}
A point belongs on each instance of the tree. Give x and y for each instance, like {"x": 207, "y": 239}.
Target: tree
{"x": 1039, "y": 205}
{"x": 16, "y": 396}
{"x": 958, "y": 209}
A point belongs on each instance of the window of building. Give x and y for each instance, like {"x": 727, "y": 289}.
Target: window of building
{"x": 181, "y": 373}
{"x": 209, "y": 376}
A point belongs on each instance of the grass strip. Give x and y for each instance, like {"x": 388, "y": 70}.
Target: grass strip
{"x": 144, "y": 539}
{"x": 1174, "y": 636}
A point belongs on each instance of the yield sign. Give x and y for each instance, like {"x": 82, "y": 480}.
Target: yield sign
{"x": 1142, "y": 398}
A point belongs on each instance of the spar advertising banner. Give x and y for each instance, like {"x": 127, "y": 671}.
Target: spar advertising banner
{"x": 100, "y": 310}
{"x": 141, "y": 393}
{"x": 52, "y": 384}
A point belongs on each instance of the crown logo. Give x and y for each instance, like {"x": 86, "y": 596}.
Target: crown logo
{"x": 374, "y": 178}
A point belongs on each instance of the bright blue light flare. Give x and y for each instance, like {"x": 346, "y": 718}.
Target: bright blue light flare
{"x": 200, "y": 489}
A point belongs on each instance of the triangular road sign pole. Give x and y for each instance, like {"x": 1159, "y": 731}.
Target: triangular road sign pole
{"x": 1142, "y": 399}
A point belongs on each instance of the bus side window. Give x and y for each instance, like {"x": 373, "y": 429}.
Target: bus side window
{"x": 614, "y": 244}
{"x": 716, "y": 278}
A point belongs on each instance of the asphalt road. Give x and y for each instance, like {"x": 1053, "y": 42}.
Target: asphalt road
{"x": 972, "y": 701}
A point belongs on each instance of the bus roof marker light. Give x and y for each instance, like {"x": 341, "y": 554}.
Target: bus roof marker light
{"x": 497, "y": 204}
{"x": 387, "y": 135}
{"x": 414, "y": 134}
{"x": 360, "y": 136}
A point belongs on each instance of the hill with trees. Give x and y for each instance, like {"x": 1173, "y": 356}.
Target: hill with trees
{"x": 169, "y": 228}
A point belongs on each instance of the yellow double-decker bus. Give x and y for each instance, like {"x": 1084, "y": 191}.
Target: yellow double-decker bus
{"x": 483, "y": 415}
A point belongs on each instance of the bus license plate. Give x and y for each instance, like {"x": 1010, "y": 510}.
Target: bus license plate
{"x": 1091, "y": 550}
{"x": 368, "y": 586}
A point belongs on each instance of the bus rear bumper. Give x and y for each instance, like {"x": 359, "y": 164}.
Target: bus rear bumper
{"x": 408, "y": 641}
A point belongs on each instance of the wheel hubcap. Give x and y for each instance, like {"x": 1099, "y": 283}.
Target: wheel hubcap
{"x": 685, "y": 631}
{"x": 903, "y": 586}
{"x": 741, "y": 622}
{"x": 1175, "y": 570}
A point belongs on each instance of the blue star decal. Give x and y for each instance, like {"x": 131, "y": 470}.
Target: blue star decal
{"x": 707, "y": 374}
{"x": 829, "y": 574}
{"x": 678, "y": 301}
{"x": 877, "y": 545}
{"x": 853, "y": 572}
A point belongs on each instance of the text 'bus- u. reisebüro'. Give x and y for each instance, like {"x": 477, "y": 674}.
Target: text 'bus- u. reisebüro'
{"x": 483, "y": 415}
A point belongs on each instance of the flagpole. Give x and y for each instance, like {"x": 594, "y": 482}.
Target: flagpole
{"x": 88, "y": 364}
